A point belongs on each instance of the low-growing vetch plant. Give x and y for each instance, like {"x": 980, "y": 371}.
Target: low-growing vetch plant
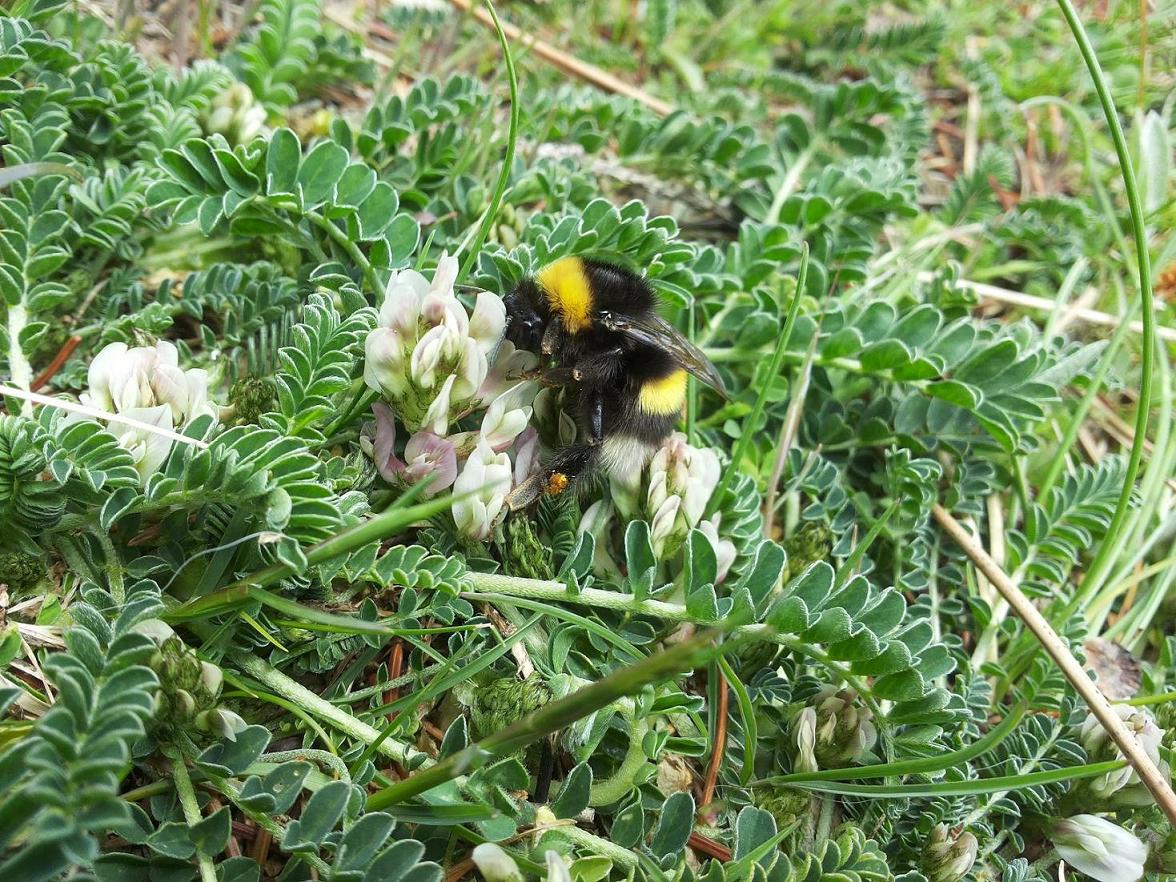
{"x": 263, "y": 611}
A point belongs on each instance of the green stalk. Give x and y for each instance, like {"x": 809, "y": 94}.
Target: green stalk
{"x": 341, "y": 239}
{"x": 611, "y": 789}
{"x": 284, "y": 686}
{"x": 191, "y": 807}
{"x": 507, "y": 587}
{"x": 251, "y": 587}
{"x": 557, "y": 715}
{"x": 753, "y": 418}
{"x": 1108, "y": 547}
{"x": 1003, "y": 784}
{"x": 512, "y": 135}
{"x": 1079, "y": 416}
{"x": 920, "y": 766}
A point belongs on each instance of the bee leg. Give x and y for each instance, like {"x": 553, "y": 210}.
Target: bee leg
{"x": 569, "y": 465}
{"x": 595, "y": 414}
{"x": 558, "y": 376}
{"x": 551, "y": 335}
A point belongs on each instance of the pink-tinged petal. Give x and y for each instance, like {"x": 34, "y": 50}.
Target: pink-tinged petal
{"x": 488, "y": 323}
{"x": 429, "y": 454}
{"x": 526, "y": 458}
{"x": 437, "y": 416}
{"x": 383, "y": 366}
{"x": 426, "y": 357}
{"x": 384, "y": 444}
{"x": 471, "y": 370}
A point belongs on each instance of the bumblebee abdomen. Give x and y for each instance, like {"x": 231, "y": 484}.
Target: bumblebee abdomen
{"x": 568, "y": 292}
{"x": 663, "y": 396}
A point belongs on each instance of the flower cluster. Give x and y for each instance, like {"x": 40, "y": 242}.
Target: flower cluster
{"x": 1122, "y": 784}
{"x": 948, "y": 859}
{"x": 236, "y": 115}
{"x": 672, "y": 494}
{"x": 434, "y": 363}
{"x": 146, "y": 383}
{"x": 834, "y": 730}
{"x": 1099, "y": 848}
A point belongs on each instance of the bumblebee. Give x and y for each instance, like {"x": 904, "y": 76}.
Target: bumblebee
{"x": 596, "y": 329}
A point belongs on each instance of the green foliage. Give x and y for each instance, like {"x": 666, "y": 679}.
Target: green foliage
{"x": 336, "y": 633}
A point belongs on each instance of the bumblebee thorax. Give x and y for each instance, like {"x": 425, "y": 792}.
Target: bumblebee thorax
{"x": 568, "y": 292}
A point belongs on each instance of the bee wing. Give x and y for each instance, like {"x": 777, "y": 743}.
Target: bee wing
{"x": 654, "y": 330}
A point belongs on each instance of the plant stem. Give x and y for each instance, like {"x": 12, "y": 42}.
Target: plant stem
{"x": 498, "y": 585}
{"x": 187, "y": 795}
{"x": 616, "y": 786}
{"x": 18, "y": 365}
{"x": 379, "y": 527}
{"x": 512, "y": 135}
{"x": 1109, "y": 546}
{"x": 557, "y": 715}
{"x": 751, "y": 421}
{"x": 343, "y": 241}
{"x": 324, "y": 710}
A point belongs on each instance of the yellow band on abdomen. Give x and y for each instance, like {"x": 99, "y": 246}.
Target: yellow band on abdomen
{"x": 664, "y": 396}
{"x": 566, "y": 285}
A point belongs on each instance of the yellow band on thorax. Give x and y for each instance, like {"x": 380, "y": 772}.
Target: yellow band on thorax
{"x": 664, "y": 396}
{"x": 568, "y": 293}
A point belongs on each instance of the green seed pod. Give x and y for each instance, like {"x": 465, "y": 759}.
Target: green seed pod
{"x": 250, "y": 397}
{"x": 20, "y": 571}
{"x": 525, "y": 554}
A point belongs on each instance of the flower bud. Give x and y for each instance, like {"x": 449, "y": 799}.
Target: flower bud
{"x": 557, "y": 867}
{"x": 1099, "y": 748}
{"x": 1099, "y": 848}
{"x": 211, "y": 678}
{"x": 495, "y": 864}
{"x": 221, "y": 722}
{"x": 836, "y": 732}
{"x": 157, "y": 629}
{"x": 946, "y": 859}
{"x": 486, "y": 476}
{"x": 804, "y": 729}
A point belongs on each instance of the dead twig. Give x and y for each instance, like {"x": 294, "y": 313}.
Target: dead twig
{"x": 720, "y": 745}
{"x": 1123, "y": 737}
{"x": 569, "y": 64}
{"x": 1031, "y": 301}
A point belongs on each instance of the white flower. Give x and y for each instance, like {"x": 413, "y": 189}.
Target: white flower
{"x": 427, "y": 356}
{"x": 1098, "y": 747}
{"x": 557, "y": 867}
{"x": 486, "y": 476}
{"x": 1099, "y": 848}
{"x": 122, "y": 379}
{"x": 507, "y": 416}
{"x": 680, "y": 484}
{"x": 383, "y": 365}
{"x": 724, "y": 548}
{"x": 495, "y": 864}
{"x": 436, "y": 418}
{"x": 148, "y": 449}
{"x": 948, "y": 860}
{"x": 805, "y": 734}
{"x": 508, "y": 364}
{"x": 146, "y": 383}
{"x": 488, "y": 323}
